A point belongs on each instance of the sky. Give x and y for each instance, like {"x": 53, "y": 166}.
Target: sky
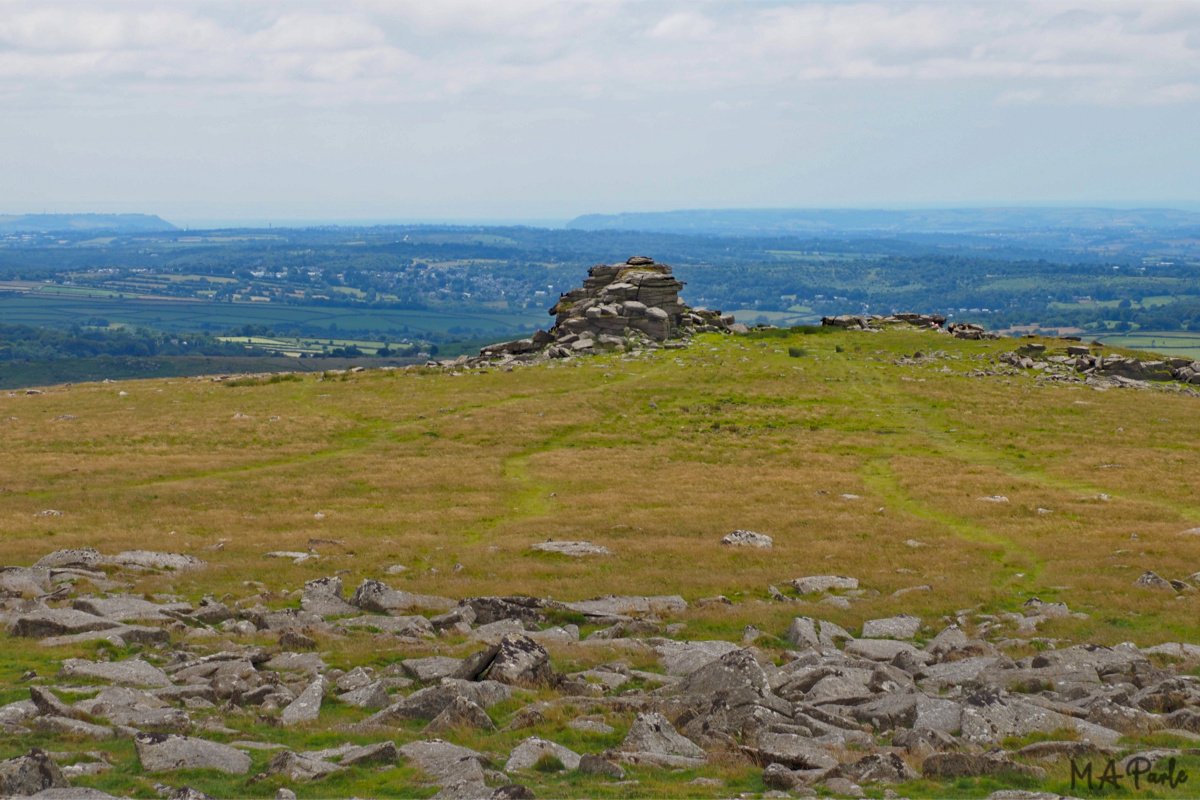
{"x": 543, "y": 110}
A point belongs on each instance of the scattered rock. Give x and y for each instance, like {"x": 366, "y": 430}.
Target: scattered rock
{"x": 823, "y": 583}
{"x": 747, "y": 539}
{"x": 577, "y": 549}
{"x": 1150, "y": 580}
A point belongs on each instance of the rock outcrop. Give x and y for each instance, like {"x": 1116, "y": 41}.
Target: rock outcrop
{"x": 630, "y": 305}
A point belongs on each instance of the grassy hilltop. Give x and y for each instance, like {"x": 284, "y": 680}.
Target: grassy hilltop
{"x": 655, "y": 458}
{"x": 855, "y": 464}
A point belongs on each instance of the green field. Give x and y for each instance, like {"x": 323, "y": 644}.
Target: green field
{"x": 182, "y": 315}
{"x": 1167, "y": 343}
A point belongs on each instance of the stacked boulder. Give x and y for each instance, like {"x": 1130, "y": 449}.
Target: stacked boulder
{"x": 635, "y": 303}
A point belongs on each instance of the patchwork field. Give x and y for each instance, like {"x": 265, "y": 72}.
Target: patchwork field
{"x": 975, "y": 494}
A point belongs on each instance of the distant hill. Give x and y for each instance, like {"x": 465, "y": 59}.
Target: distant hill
{"x": 118, "y": 223}
{"x": 834, "y": 221}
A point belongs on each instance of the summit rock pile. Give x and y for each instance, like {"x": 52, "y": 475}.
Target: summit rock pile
{"x": 635, "y": 304}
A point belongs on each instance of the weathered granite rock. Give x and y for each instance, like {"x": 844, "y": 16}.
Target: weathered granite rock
{"x": 82, "y": 558}
{"x": 373, "y": 595}
{"x": 792, "y": 751}
{"x": 307, "y": 706}
{"x": 29, "y": 774}
{"x": 489, "y": 610}
{"x": 884, "y": 650}
{"x": 298, "y": 768}
{"x": 878, "y": 768}
{"x": 684, "y": 658}
{"x": 378, "y": 753}
{"x": 431, "y": 668}
{"x": 903, "y": 626}
{"x": 149, "y": 559}
{"x": 802, "y": 633}
{"x": 461, "y": 714}
{"x": 651, "y": 732}
{"x": 592, "y": 764}
{"x": 324, "y": 597}
{"x": 747, "y": 539}
{"x": 526, "y": 754}
{"x": 446, "y": 763}
{"x": 43, "y": 622}
{"x": 823, "y": 583}
{"x": 373, "y": 695}
{"x": 1150, "y": 580}
{"x": 431, "y": 701}
{"x": 24, "y": 581}
{"x": 129, "y": 608}
{"x": 66, "y": 726}
{"x": 575, "y": 549}
{"x": 130, "y": 672}
{"x": 520, "y": 661}
{"x": 165, "y": 752}
{"x": 617, "y": 607}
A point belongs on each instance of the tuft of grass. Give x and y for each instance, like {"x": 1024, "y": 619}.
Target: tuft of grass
{"x": 548, "y": 762}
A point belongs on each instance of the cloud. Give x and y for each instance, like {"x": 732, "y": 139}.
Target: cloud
{"x": 1111, "y": 53}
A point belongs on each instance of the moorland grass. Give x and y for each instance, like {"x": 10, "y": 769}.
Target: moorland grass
{"x": 844, "y": 457}
{"x": 655, "y": 458}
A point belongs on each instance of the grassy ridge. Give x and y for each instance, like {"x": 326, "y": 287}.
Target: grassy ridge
{"x": 654, "y": 458}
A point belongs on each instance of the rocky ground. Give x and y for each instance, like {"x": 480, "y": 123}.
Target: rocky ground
{"x": 465, "y": 698}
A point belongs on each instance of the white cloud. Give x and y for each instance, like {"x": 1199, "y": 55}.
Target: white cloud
{"x": 1123, "y": 53}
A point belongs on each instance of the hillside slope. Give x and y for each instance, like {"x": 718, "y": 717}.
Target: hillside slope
{"x": 656, "y": 458}
{"x": 1011, "y": 520}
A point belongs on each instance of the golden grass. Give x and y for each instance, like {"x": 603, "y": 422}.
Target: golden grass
{"x": 655, "y": 459}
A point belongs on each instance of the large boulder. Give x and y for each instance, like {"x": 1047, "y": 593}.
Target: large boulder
{"x": 461, "y": 714}
{"x": 373, "y": 595}
{"x": 29, "y": 774}
{"x": 525, "y": 610}
{"x": 653, "y": 733}
{"x": 42, "y": 622}
{"x": 431, "y": 701}
{"x": 527, "y": 753}
{"x": 520, "y": 661}
{"x": 307, "y": 706}
{"x": 130, "y": 672}
{"x": 903, "y": 626}
{"x": 166, "y": 752}
{"x": 791, "y": 750}
{"x": 445, "y": 762}
{"x": 324, "y": 597}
